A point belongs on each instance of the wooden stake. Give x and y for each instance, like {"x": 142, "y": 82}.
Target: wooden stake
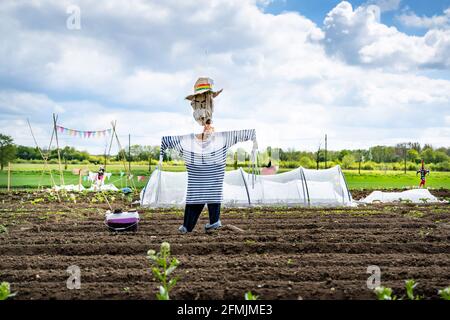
{"x": 9, "y": 176}
{"x": 79, "y": 180}
{"x": 61, "y": 175}
{"x": 44, "y": 157}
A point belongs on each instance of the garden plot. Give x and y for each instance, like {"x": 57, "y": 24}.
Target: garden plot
{"x": 295, "y": 253}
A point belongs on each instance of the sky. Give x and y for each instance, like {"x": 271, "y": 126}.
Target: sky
{"x": 364, "y": 72}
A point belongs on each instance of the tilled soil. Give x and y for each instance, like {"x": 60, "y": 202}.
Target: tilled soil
{"x": 282, "y": 253}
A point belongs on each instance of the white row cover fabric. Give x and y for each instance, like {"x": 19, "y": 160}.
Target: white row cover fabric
{"x": 414, "y": 195}
{"x": 69, "y": 187}
{"x": 72, "y": 187}
{"x": 103, "y": 187}
{"x": 297, "y": 187}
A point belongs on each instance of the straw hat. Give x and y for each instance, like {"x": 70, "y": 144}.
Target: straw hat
{"x": 203, "y": 85}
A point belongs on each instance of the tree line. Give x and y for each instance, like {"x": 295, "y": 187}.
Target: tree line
{"x": 410, "y": 154}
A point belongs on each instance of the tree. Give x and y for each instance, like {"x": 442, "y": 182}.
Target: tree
{"x": 440, "y": 156}
{"x": 413, "y": 155}
{"x": 347, "y": 161}
{"x": 306, "y": 162}
{"x": 27, "y": 153}
{"x": 7, "y": 150}
{"x": 428, "y": 155}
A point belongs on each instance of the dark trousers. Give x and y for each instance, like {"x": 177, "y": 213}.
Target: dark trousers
{"x": 192, "y": 213}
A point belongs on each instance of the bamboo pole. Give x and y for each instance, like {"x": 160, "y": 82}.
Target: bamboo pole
{"x": 9, "y": 176}
{"x": 123, "y": 160}
{"x": 79, "y": 180}
{"x": 44, "y": 157}
{"x": 113, "y": 124}
{"x": 61, "y": 175}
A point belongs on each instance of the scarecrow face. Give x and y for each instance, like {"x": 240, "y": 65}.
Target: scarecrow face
{"x": 203, "y": 107}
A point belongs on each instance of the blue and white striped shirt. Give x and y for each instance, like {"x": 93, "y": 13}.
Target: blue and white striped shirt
{"x": 205, "y": 161}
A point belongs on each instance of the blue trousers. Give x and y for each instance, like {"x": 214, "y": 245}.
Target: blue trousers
{"x": 192, "y": 213}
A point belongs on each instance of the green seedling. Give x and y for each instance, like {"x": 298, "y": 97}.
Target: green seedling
{"x": 445, "y": 293}
{"x": 165, "y": 265}
{"x": 384, "y": 293}
{"x": 250, "y": 296}
{"x": 3, "y": 229}
{"x": 410, "y": 285}
{"x": 37, "y": 200}
{"x": 51, "y": 197}
{"x": 5, "y": 291}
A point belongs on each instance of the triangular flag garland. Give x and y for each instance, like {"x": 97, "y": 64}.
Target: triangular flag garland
{"x": 84, "y": 134}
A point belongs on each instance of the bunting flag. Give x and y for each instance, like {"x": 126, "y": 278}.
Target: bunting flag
{"x": 84, "y": 134}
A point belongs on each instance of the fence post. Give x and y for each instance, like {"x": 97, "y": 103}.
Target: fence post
{"x": 9, "y": 176}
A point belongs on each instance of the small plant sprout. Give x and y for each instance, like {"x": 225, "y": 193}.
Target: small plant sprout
{"x": 5, "y": 291}
{"x": 3, "y": 229}
{"x": 445, "y": 293}
{"x": 73, "y": 198}
{"x": 250, "y": 296}
{"x": 163, "y": 269}
{"x": 384, "y": 293}
{"x": 410, "y": 285}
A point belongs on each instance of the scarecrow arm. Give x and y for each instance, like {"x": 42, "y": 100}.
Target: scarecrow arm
{"x": 233, "y": 137}
{"x": 169, "y": 142}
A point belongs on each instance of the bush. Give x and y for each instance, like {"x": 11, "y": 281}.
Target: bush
{"x": 347, "y": 161}
{"x": 368, "y": 165}
{"x": 307, "y": 162}
{"x": 441, "y": 166}
{"x": 289, "y": 164}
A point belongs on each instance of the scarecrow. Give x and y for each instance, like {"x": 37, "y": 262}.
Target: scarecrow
{"x": 423, "y": 172}
{"x": 205, "y": 158}
{"x": 100, "y": 176}
{"x": 202, "y": 102}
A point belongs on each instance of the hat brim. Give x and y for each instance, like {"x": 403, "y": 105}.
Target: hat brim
{"x": 215, "y": 93}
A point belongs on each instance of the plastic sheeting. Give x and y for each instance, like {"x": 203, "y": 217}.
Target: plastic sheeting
{"x": 72, "y": 187}
{"x": 69, "y": 187}
{"x": 103, "y": 187}
{"x": 297, "y": 187}
{"x": 415, "y": 196}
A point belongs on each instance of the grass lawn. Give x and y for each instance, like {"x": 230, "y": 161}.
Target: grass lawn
{"x": 394, "y": 179}
{"x": 30, "y": 176}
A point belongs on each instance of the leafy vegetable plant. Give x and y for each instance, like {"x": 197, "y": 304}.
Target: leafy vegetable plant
{"x": 410, "y": 285}
{"x": 164, "y": 266}
{"x": 5, "y": 291}
{"x": 384, "y": 293}
{"x": 445, "y": 293}
{"x": 250, "y": 296}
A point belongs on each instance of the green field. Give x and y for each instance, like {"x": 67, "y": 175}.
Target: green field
{"x": 30, "y": 176}
{"x": 394, "y": 179}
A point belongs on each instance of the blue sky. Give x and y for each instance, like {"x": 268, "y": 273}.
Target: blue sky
{"x": 317, "y": 10}
{"x": 294, "y": 70}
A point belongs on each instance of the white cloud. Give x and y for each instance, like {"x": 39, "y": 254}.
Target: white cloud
{"x": 386, "y": 5}
{"x": 410, "y": 19}
{"x": 355, "y": 36}
{"x": 136, "y": 61}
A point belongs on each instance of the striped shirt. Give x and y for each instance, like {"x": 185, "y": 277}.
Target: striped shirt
{"x": 205, "y": 161}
